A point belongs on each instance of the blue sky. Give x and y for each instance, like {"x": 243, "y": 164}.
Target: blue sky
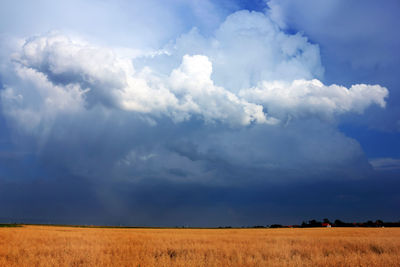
{"x": 198, "y": 113}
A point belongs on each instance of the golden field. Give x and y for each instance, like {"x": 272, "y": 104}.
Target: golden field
{"x": 73, "y": 246}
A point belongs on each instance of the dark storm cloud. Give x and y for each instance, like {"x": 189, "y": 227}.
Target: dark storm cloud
{"x": 224, "y": 125}
{"x": 159, "y": 203}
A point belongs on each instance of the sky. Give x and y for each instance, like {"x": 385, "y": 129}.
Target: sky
{"x": 199, "y": 113}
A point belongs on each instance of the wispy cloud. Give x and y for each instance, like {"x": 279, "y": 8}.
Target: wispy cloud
{"x": 385, "y": 164}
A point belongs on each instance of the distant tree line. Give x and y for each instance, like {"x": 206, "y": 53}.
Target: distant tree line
{"x": 337, "y": 223}
{"x": 9, "y": 225}
{"x": 327, "y": 223}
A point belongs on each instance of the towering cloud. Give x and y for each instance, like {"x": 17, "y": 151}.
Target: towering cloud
{"x": 249, "y": 90}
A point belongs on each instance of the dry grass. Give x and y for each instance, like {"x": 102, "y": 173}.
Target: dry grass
{"x": 68, "y": 246}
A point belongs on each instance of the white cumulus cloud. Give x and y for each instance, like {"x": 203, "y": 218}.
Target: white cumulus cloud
{"x": 302, "y": 98}
{"x": 63, "y": 73}
{"x": 100, "y": 76}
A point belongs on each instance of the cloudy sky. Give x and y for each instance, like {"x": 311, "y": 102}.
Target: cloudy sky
{"x": 199, "y": 113}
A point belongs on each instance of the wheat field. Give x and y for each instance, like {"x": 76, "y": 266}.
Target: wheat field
{"x": 73, "y": 246}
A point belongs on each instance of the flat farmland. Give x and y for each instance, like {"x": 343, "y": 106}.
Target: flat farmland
{"x": 73, "y": 246}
